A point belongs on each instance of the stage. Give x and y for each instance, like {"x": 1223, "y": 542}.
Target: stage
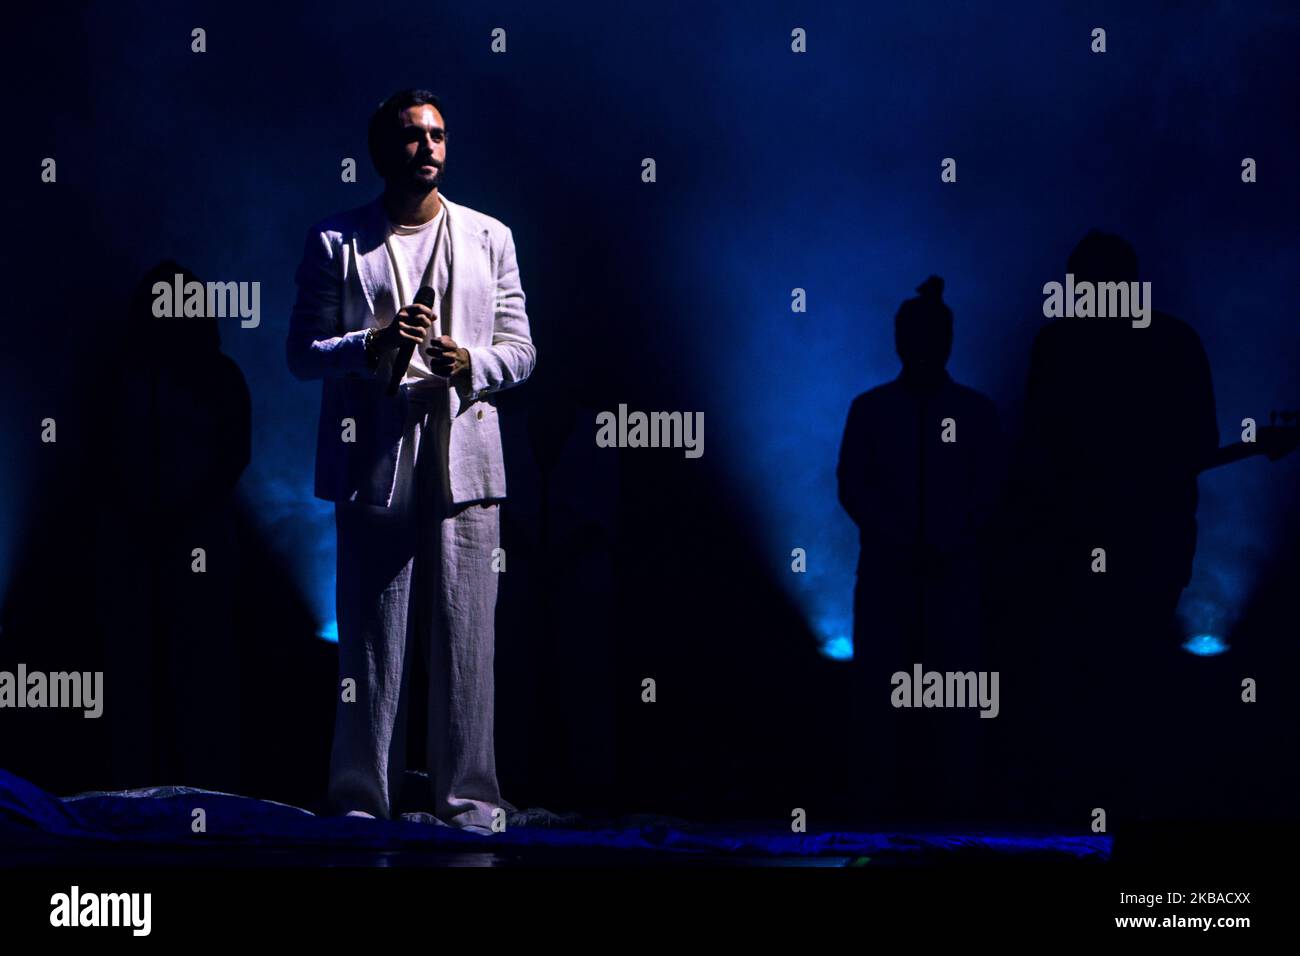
{"x": 157, "y": 826}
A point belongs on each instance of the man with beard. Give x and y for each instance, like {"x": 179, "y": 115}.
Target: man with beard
{"x": 416, "y": 475}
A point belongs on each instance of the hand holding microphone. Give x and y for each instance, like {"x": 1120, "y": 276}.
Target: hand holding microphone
{"x": 405, "y": 332}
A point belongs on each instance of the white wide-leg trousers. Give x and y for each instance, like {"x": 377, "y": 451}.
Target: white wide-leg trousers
{"x": 418, "y": 570}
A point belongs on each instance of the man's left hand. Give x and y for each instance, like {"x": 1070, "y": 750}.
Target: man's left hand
{"x": 446, "y": 357}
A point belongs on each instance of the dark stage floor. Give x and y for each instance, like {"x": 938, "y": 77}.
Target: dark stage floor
{"x": 154, "y": 827}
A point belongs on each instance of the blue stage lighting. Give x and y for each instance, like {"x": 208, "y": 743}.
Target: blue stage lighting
{"x": 329, "y": 631}
{"x": 838, "y": 648}
{"x": 1205, "y": 645}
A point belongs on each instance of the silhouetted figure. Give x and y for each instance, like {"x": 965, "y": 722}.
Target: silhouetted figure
{"x": 919, "y": 472}
{"x": 1118, "y": 423}
{"x": 1119, "y": 420}
{"x": 173, "y": 439}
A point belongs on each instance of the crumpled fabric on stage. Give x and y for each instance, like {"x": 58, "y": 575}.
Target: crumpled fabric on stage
{"x": 161, "y": 817}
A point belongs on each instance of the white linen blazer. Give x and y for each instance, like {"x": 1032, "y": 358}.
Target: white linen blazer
{"x": 346, "y": 286}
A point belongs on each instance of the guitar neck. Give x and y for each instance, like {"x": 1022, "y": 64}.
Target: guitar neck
{"x": 1273, "y": 440}
{"x": 1230, "y": 453}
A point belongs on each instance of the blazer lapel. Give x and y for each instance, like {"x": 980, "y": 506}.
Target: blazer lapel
{"x": 471, "y": 287}
{"x": 374, "y": 268}
{"x": 471, "y": 272}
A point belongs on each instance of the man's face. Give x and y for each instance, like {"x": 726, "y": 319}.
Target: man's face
{"x": 423, "y": 144}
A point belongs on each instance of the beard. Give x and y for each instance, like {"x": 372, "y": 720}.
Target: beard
{"x": 414, "y": 179}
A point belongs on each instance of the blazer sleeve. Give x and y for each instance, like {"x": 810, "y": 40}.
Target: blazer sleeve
{"x": 317, "y": 347}
{"x": 511, "y": 356}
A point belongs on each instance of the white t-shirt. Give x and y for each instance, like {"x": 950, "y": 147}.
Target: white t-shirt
{"x": 410, "y": 248}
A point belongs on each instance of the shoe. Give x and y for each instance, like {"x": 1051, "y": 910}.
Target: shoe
{"x": 360, "y": 813}
{"x": 422, "y": 817}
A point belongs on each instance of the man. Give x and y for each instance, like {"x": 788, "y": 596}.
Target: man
{"x": 1119, "y": 421}
{"x": 416, "y": 477}
{"x": 919, "y": 472}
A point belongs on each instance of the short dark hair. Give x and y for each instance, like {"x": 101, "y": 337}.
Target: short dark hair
{"x": 1103, "y": 257}
{"x": 383, "y": 123}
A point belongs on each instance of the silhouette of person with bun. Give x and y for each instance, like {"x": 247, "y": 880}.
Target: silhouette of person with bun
{"x": 919, "y": 472}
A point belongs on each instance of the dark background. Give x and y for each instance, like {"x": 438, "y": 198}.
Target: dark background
{"x": 775, "y": 171}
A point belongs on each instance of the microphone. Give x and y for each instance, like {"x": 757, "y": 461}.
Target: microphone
{"x": 424, "y": 297}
